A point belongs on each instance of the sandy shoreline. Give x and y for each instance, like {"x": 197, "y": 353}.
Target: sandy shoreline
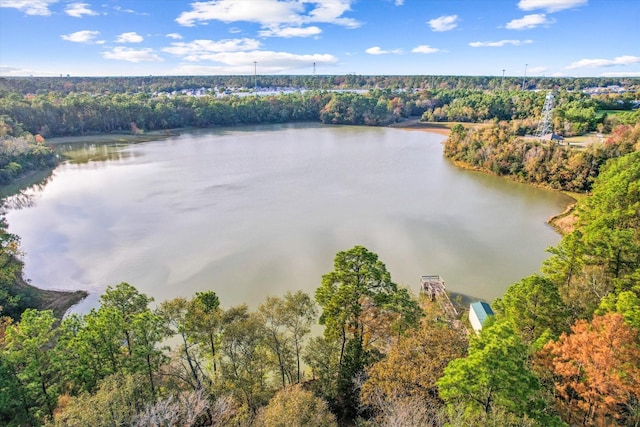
{"x": 416, "y": 124}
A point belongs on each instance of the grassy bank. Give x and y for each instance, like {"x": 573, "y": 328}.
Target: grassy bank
{"x": 105, "y": 138}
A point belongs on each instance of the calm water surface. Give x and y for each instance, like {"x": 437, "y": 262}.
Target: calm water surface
{"x": 256, "y": 211}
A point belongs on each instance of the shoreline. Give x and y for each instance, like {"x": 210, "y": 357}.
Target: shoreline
{"x": 59, "y": 302}
{"x": 563, "y": 222}
{"x": 417, "y": 125}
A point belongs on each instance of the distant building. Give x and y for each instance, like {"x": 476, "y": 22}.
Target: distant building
{"x": 478, "y": 313}
{"x": 552, "y": 137}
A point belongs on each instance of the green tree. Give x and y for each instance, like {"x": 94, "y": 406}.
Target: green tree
{"x": 272, "y": 316}
{"x": 10, "y": 270}
{"x": 494, "y": 375}
{"x": 566, "y": 260}
{"x": 90, "y": 348}
{"x": 245, "y": 364}
{"x": 358, "y": 279}
{"x": 534, "y": 308}
{"x": 175, "y": 313}
{"x": 323, "y": 357}
{"x": 626, "y": 303}
{"x": 129, "y": 302}
{"x": 287, "y": 321}
{"x": 353, "y": 297}
{"x": 148, "y": 332}
{"x": 610, "y": 221}
{"x": 601, "y": 256}
{"x": 122, "y": 335}
{"x": 204, "y": 318}
{"x": 14, "y": 401}
{"x": 27, "y": 352}
{"x": 300, "y": 313}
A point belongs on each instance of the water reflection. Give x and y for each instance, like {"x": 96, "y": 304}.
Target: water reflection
{"x": 24, "y": 194}
{"x": 260, "y": 210}
{"x": 87, "y": 153}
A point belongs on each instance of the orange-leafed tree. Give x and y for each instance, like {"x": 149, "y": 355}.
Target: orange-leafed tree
{"x": 412, "y": 367}
{"x": 596, "y": 371}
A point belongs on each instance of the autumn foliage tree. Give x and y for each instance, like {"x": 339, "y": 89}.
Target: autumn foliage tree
{"x": 596, "y": 371}
{"x": 295, "y": 407}
{"x": 411, "y": 368}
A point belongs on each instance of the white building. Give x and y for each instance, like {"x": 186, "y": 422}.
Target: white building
{"x": 478, "y": 313}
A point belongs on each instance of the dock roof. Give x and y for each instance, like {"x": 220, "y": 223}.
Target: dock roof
{"x": 482, "y": 310}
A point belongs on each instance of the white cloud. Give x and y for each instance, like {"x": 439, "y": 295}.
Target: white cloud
{"x": 444, "y": 23}
{"x": 500, "y": 43}
{"x": 529, "y": 21}
{"x": 376, "y": 50}
{"x": 536, "y": 70}
{"x": 550, "y": 5}
{"x": 621, "y": 74}
{"x": 30, "y": 7}
{"x": 6, "y": 70}
{"x": 85, "y": 36}
{"x": 78, "y": 9}
{"x": 331, "y": 11}
{"x": 399, "y": 2}
{"x": 288, "y": 32}
{"x": 123, "y": 53}
{"x": 131, "y": 37}
{"x": 425, "y": 48}
{"x": 201, "y": 50}
{"x": 268, "y": 62}
{"x": 174, "y": 36}
{"x": 123, "y": 10}
{"x": 269, "y": 13}
{"x": 594, "y": 63}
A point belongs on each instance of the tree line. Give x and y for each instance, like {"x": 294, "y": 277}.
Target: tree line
{"x": 21, "y": 151}
{"x": 55, "y": 114}
{"x": 562, "y": 349}
{"x": 498, "y": 149}
{"x": 154, "y": 84}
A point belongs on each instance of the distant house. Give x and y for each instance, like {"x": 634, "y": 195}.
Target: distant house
{"x": 552, "y": 137}
{"x": 478, "y": 313}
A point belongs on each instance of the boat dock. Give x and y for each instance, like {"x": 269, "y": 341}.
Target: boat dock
{"x": 434, "y": 287}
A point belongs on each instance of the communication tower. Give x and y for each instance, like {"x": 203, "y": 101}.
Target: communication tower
{"x": 545, "y": 126}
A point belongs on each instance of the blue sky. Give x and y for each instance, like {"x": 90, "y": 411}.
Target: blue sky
{"x": 576, "y": 38}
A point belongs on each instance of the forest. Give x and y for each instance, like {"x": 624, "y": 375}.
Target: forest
{"x": 562, "y": 349}
{"x": 52, "y": 107}
{"x": 499, "y": 149}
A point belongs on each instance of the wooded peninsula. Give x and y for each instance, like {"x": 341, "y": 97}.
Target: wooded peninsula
{"x": 561, "y": 349}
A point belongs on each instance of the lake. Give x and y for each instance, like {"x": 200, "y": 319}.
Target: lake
{"x": 255, "y": 211}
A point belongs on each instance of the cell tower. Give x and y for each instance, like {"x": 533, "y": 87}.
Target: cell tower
{"x": 545, "y": 126}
